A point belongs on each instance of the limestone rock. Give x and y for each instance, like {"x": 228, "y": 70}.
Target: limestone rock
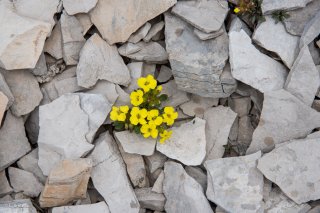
{"x": 41, "y": 67}
{"x": 149, "y": 199}
{"x": 175, "y": 95}
{"x": 140, "y": 33}
{"x": 23, "y": 206}
{"x": 266, "y": 74}
{"x": 4, "y": 88}
{"x": 22, "y": 40}
{"x": 282, "y": 43}
{"x": 13, "y": 141}
{"x": 284, "y": 117}
{"x": 165, "y": 74}
{"x": 187, "y": 143}
{"x": 6, "y": 198}
{"x": 79, "y": 6}
{"x": 232, "y": 190}
{"x": 158, "y": 185}
{"x": 268, "y": 6}
{"x": 136, "y": 71}
{"x": 196, "y": 64}
{"x": 110, "y": 178}
{"x": 205, "y": 36}
{"x": 198, "y": 175}
{"x": 100, "y": 61}
{"x": 3, "y": 105}
{"x": 311, "y": 31}
{"x": 117, "y": 20}
{"x": 53, "y": 44}
{"x": 156, "y": 28}
{"x": 85, "y": 22}
{"x": 107, "y": 89}
{"x": 155, "y": 161}
{"x": 292, "y": 171}
{"x": 176, "y": 183}
{"x": 237, "y": 25}
{"x": 100, "y": 207}
{"x": 135, "y": 144}
{"x": 198, "y": 105}
{"x": 197, "y": 13}
{"x": 66, "y": 182}
{"x": 5, "y": 188}
{"x": 218, "y": 124}
{"x": 69, "y": 85}
{"x": 240, "y": 105}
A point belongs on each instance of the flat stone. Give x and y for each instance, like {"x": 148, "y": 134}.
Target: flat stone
{"x": 277, "y": 123}
{"x": 314, "y": 210}
{"x": 5, "y": 187}
{"x": 155, "y": 161}
{"x": 205, "y": 36}
{"x": 66, "y": 182}
{"x": 176, "y": 97}
{"x": 13, "y": 141}
{"x": 240, "y": 105}
{"x": 265, "y": 37}
{"x": 150, "y": 200}
{"x": 72, "y": 38}
{"x": 79, "y": 6}
{"x": 135, "y": 144}
{"x": 100, "y": 61}
{"x": 85, "y": 22}
{"x": 140, "y": 33}
{"x": 68, "y": 85}
{"x": 165, "y": 74}
{"x": 3, "y": 105}
{"x": 136, "y": 72}
{"x": 266, "y": 74}
{"x": 245, "y": 132}
{"x": 154, "y": 30}
{"x": 268, "y": 6}
{"x": 100, "y": 207}
{"x": 129, "y": 48}
{"x": 198, "y": 175}
{"x": 53, "y": 44}
{"x": 21, "y": 206}
{"x": 6, "y": 198}
{"x": 4, "y": 88}
{"x": 25, "y": 182}
{"x": 311, "y": 31}
{"x": 149, "y": 52}
{"x": 107, "y": 89}
{"x": 237, "y": 25}
{"x": 292, "y": 171}
{"x": 41, "y": 67}
{"x": 125, "y": 17}
{"x": 123, "y": 99}
{"x": 176, "y": 183}
{"x": 303, "y": 79}
{"x": 22, "y": 42}
{"x": 197, "y": 13}
{"x": 196, "y": 64}
{"x": 232, "y": 190}
{"x": 198, "y": 105}
{"x": 187, "y": 143}
{"x": 218, "y": 124}
{"x": 109, "y": 176}
{"x": 158, "y": 184}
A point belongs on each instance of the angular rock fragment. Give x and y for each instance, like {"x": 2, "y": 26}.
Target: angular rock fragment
{"x": 187, "y": 143}
{"x": 293, "y": 171}
{"x": 237, "y": 25}
{"x": 117, "y": 20}
{"x": 268, "y": 6}
{"x": 41, "y": 67}
{"x": 85, "y": 22}
{"x": 5, "y": 188}
{"x": 100, "y": 207}
{"x": 68, "y": 85}
{"x": 206, "y": 36}
{"x": 3, "y": 105}
{"x": 175, "y": 95}
{"x": 233, "y": 190}
{"x": 165, "y": 74}
{"x": 198, "y": 105}
{"x": 100, "y": 61}
{"x": 13, "y": 141}
{"x": 24, "y": 205}
{"x": 197, "y": 13}
{"x": 245, "y": 132}
{"x": 218, "y": 124}
{"x": 140, "y": 33}
{"x": 155, "y": 161}
{"x": 53, "y": 44}
{"x": 6, "y": 198}
{"x": 79, "y": 6}
{"x": 136, "y": 71}
{"x": 156, "y": 28}
{"x": 4, "y": 88}
{"x": 284, "y": 117}
{"x": 240, "y": 105}
{"x": 311, "y": 31}
{"x": 198, "y": 175}
{"x": 107, "y": 89}
{"x": 183, "y": 193}
{"x": 66, "y": 182}
{"x": 149, "y": 199}
{"x": 110, "y": 178}
{"x": 158, "y": 185}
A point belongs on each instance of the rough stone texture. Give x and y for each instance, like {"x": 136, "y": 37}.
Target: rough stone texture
{"x": 284, "y": 117}
{"x": 245, "y": 132}
{"x": 41, "y": 67}
{"x": 263, "y": 73}
{"x": 311, "y": 31}
{"x": 187, "y": 143}
{"x": 53, "y": 44}
{"x": 268, "y": 6}
{"x": 135, "y": 144}
{"x": 4, "y": 88}
{"x": 158, "y": 184}
{"x": 100, "y": 207}
{"x": 156, "y": 28}
{"x": 155, "y": 161}
{"x": 218, "y": 124}
{"x": 13, "y": 141}
{"x": 107, "y": 89}
{"x": 240, "y": 105}
{"x": 205, "y": 36}
{"x": 22, "y": 38}
{"x": 25, "y": 90}
{"x": 25, "y": 182}
{"x": 198, "y": 175}
{"x": 79, "y": 6}
{"x": 197, "y": 13}
{"x": 5, "y": 188}
{"x": 315, "y": 210}
{"x": 175, "y": 95}
{"x": 136, "y": 71}
{"x": 237, "y": 25}
{"x": 196, "y": 65}
{"x": 183, "y": 193}
{"x": 282, "y": 43}
{"x": 150, "y": 200}
{"x": 66, "y": 182}
{"x": 72, "y": 38}
{"x": 140, "y": 33}
{"x": 117, "y": 20}
{"x": 165, "y": 74}
{"x": 99, "y": 60}
{"x": 235, "y": 184}
{"x": 110, "y": 178}
{"x": 198, "y": 105}
{"x": 293, "y": 171}
{"x": 21, "y": 206}
{"x": 85, "y": 22}
{"x": 303, "y": 80}
{"x": 3, "y": 105}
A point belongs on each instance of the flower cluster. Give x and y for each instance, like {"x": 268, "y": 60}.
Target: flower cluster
{"x": 147, "y": 116}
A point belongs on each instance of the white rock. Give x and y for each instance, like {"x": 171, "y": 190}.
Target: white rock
{"x": 187, "y": 143}
{"x": 85, "y": 22}
{"x": 5, "y": 187}
{"x": 156, "y": 28}
{"x": 240, "y": 105}
{"x": 150, "y": 200}
{"x": 284, "y": 117}
{"x": 124, "y": 98}
{"x": 263, "y": 73}
{"x": 289, "y": 167}
{"x": 3, "y": 105}
{"x": 129, "y": 48}
{"x": 205, "y": 36}
{"x": 110, "y": 178}
{"x": 158, "y": 185}
{"x": 155, "y": 161}
{"x": 140, "y": 33}
{"x": 237, "y": 25}
{"x": 198, "y": 105}
{"x": 176, "y": 184}
{"x": 100, "y": 207}
{"x": 235, "y": 184}
{"x": 79, "y": 6}
{"x": 53, "y": 44}
{"x": 175, "y": 95}
{"x": 100, "y": 61}
{"x": 107, "y": 89}
{"x": 198, "y": 175}
{"x": 311, "y": 31}
{"x": 21, "y": 206}
{"x": 268, "y": 6}
{"x": 136, "y": 71}
{"x": 218, "y": 124}
{"x": 6, "y": 198}
{"x": 117, "y": 20}
{"x": 4, "y": 88}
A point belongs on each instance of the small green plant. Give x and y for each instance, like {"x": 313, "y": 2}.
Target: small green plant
{"x": 250, "y": 9}
{"x": 280, "y": 16}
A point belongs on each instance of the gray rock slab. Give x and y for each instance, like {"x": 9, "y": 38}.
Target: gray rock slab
{"x": 175, "y": 95}
{"x": 53, "y": 44}
{"x": 311, "y": 31}
{"x": 158, "y": 184}
{"x": 155, "y": 161}
{"x": 198, "y": 105}
{"x": 85, "y": 22}
{"x": 5, "y": 187}
{"x": 150, "y": 200}
{"x": 79, "y": 6}
{"x": 107, "y": 89}
{"x": 21, "y": 206}
{"x": 165, "y": 74}
{"x": 268, "y": 6}
{"x": 198, "y": 175}
{"x": 205, "y": 36}
{"x": 155, "y": 28}
{"x": 100, "y": 207}
{"x": 237, "y": 25}
{"x": 140, "y": 33}
{"x": 4, "y": 88}
{"x": 41, "y": 66}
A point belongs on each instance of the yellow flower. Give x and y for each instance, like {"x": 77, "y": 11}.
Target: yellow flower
{"x": 149, "y": 130}
{"x": 236, "y": 10}
{"x": 153, "y": 117}
{"x": 119, "y": 113}
{"x": 138, "y": 116}
{"x": 165, "y": 135}
{"x": 136, "y": 98}
{"x": 147, "y": 83}
{"x": 159, "y": 88}
{"x": 169, "y": 115}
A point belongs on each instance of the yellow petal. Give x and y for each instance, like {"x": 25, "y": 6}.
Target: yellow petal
{"x": 122, "y": 117}
{"x": 154, "y": 133}
{"x": 124, "y": 109}
{"x": 141, "y": 82}
{"x": 134, "y": 120}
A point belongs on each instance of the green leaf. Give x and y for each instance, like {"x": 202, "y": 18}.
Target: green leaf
{"x": 136, "y": 129}
{"x": 163, "y": 97}
{"x": 118, "y": 125}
